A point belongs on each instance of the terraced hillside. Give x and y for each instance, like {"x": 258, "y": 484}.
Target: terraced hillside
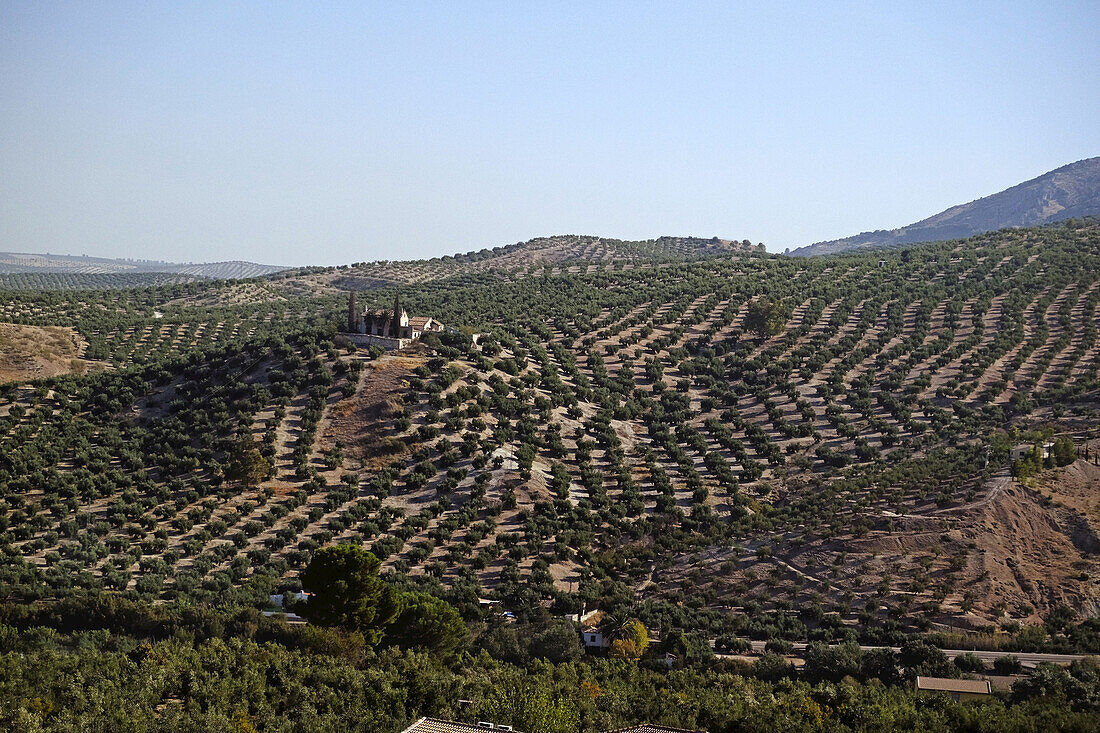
{"x": 545, "y": 256}
{"x": 40, "y": 281}
{"x": 16, "y": 263}
{"x": 779, "y": 446}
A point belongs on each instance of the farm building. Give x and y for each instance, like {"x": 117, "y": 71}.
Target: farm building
{"x": 957, "y": 689}
{"x": 390, "y": 329}
{"x": 592, "y": 636}
{"x": 1021, "y": 450}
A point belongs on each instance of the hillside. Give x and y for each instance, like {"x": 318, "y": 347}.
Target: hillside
{"x": 1069, "y": 192}
{"x": 13, "y": 263}
{"x": 615, "y": 437}
{"x": 563, "y": 254}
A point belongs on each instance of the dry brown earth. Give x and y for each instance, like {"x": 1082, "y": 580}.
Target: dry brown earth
{"x": 33, "y": 352}
{"x": 363, "y": 423}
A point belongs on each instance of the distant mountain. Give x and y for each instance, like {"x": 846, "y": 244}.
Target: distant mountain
{"x": 1069, "y": 192}
{"x": 24, "y": 263}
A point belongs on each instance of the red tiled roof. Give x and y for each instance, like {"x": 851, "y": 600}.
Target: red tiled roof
{"x": 433, "y": 725}
{"x": 652, "y": 729}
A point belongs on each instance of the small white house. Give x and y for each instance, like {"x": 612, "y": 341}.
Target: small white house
{"x": 277, "y": 607}
{"x": 593, "y": 637}
{"x": 279, "y": 598}
{"x": 1023, "y": 449}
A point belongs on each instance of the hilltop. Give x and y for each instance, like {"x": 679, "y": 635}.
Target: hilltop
{"x": 553, "y": 255}
{"x": 536, "y": 257}
{"x": 12, "y": 263}
{"x": 1069, "y": 192}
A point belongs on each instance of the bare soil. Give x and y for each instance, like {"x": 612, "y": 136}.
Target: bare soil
{"x": 34, "y": 352}
{"x": 363, "y": 423}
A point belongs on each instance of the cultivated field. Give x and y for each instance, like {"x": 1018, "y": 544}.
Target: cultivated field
{"x": 620, "y": 429}
{"x": 14, "y": 263}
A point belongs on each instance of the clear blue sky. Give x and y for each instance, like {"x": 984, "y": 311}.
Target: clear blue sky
{"x": 326, "y": 133}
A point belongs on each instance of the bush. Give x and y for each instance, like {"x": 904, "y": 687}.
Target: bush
{"x": 969, "y": 662}
{"x": 731, "y": 644}
{"x": 772, "y": 667}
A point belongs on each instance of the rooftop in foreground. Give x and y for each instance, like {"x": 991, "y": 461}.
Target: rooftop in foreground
{"x": 946, "y": 684}
{"x": 646, "y": 728}
{"x": 434, "y": 725}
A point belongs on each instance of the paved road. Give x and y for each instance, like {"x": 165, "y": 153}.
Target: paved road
{"x": 1028, "y": 659}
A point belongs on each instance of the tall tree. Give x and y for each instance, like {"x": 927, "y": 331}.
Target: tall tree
{"x": 429, "y": 623}
{"x": 631, "y": 642}
{"x": 345, "y": 591}
{"x": 246, "y": 464}
{"x": 765, "y": 317}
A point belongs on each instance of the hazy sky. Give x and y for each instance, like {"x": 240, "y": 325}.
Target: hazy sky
{"x": 316, "y": 133}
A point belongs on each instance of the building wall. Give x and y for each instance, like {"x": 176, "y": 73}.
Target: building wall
{"x": 367, "y": 340}
{"x": 592, "y": 638}
{"x": 971, "y": 696}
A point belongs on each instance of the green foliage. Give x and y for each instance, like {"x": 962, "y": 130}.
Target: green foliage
{"x": 1063, "y": 451}
{"x": 530, "y": 709}
{"x": 969, "y": 662}
{"x": 184, "y": 668}
{"x": 631, "y": 640}
{"x": 429, "y": 623}
{"x": 919, "y": 658}
{"x": 732, "y": 644}
{"x": 779, "y": 646}
{"x": 771, "y": 667}
{"x": 557, "y": 643}
{"x": 247, "y": 464}
{"x": 345, "y": 591}
{"x": 765, "y": 317}
{"x": 1079, "y": 686}
{"x": 1029, "y": 464}
{"x": 826, "y": 663}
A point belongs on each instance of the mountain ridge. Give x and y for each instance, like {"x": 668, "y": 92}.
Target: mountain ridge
{"x": 1069, "y": 192}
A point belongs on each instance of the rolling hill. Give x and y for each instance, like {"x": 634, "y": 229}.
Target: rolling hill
{"x": 725, "y": 446}
{"x": 568, "y": 253}
{"x": 1069, "y": 192}
{"x": 24, "y": 263}
{"x": 616, "y": 436}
